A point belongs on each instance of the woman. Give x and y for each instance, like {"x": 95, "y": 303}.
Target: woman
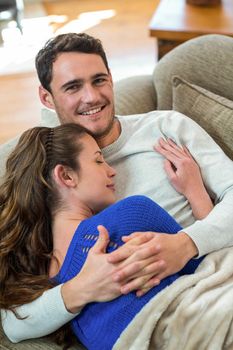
{"x": 57, "y": 201}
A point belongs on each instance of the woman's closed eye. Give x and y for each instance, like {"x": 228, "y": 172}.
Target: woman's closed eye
{"x": 100, "y": 159}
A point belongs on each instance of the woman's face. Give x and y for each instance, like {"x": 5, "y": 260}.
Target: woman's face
{"x": 95, "y": 177}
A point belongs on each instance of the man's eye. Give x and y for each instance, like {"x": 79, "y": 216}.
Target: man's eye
{"x": 100, "y": 81}
{"x": 73, "y": 87}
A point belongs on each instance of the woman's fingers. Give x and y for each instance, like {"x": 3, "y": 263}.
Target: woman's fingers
{"x": 169, "y": 148}
{"x": 102, "y": 241}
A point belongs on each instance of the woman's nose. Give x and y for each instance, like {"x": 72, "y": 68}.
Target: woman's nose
{"x": 111, "y": 171}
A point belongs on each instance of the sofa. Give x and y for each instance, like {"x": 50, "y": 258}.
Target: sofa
{"x": 196, "y": 78}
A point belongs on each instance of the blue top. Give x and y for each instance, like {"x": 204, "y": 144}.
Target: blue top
{"x": 99, "y": 325}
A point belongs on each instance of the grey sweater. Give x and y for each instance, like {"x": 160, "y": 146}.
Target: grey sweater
{"x": 140, "y": 171}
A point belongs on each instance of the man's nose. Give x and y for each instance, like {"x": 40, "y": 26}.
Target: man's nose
{"x": 90, "y": 94}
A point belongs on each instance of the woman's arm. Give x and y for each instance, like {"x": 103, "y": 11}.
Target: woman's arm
{"x": 185, "y": 176}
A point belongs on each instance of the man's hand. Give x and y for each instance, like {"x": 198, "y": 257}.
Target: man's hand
{"x": 97, "y": 279}
{"x": 148, "y": 263}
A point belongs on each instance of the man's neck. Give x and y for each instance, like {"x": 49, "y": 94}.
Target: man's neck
{"x": 111, "y": 136}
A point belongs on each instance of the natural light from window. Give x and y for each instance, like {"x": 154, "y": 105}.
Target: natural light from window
{"x": 17, "y": 51}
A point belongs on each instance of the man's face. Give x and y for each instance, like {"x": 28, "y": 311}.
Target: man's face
{"x": 82, "y": 92}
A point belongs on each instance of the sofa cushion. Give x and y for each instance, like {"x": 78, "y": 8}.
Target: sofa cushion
{"x": 32, "y": 344}
{"x": 135, "y": 95}
{"x": 205, "y": 61}
{"x": 5, "y": 150}
{"x": 49, "y": 118}
{"x": 37, "y": 344}
{"x": 213, "y": 112}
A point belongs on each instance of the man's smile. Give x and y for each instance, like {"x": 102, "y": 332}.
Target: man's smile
{"x": 92, "y": 112}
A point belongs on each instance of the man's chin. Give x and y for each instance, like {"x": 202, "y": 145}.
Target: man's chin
{"x": 98, "y": 130}
{"x": 98, "y": 133}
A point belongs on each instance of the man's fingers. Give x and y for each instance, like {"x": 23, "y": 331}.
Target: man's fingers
{"x": 139, "y": 269}
{"x": 143, "y": 237}
{"x": 139, "y": 283}
{"x": 130, "y": 237}
{"x": 154, "y": 281}
{"x": 154, "y": 268}
{"x": 102, "y": 241}
{"x": 130, "y": 247}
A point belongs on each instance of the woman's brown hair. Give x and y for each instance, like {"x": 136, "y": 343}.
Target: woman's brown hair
{"x": 28, "y": 198}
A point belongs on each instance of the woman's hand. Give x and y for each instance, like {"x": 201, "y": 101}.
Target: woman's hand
{"x": 185, "y": 176}
{"x": 182, "y": 170}
{"x": 94, "y": 283}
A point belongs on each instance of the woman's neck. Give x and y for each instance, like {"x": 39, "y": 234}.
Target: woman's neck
{"x": 64, "y": 225}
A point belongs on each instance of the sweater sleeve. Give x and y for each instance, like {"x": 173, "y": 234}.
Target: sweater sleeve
{"x": 216, "y": 230}
{"x": 45, "y": 315}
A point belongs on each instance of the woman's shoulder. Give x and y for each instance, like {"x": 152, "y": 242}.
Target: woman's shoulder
{"x": 132, "y": 204}
{"x": 129, "y": 209}
{"x": 135, "y": 200}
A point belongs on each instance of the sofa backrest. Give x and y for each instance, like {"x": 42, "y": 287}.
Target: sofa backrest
{"x": 206, "y": 61}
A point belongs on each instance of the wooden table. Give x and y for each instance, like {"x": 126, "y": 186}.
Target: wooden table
{"x": 174, "y": 22}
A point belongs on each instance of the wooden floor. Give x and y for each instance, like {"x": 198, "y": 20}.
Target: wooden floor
{"x": 125, "y": 37}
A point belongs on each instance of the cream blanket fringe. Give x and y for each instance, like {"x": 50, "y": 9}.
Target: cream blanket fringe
{"x": 194, "y": 313}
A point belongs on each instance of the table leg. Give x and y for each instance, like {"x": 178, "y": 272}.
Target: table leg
{"x": 164, "y": 46}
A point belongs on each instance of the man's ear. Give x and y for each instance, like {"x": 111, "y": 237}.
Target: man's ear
{"x": 64, "y": 176}
{"x": 46, "y": 97}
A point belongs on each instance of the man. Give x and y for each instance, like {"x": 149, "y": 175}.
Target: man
{"x": 77, "y": 83}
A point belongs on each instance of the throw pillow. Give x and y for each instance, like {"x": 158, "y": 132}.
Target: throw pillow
{"x": 212, "y": 112}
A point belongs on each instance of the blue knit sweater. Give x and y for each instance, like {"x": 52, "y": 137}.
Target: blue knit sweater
{"x": 99, "y": 325}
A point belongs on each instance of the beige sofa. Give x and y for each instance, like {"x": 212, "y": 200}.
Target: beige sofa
{"x": 196, "y": 79}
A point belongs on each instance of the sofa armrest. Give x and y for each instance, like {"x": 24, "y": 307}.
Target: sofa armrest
{"x": 135, "y": 95}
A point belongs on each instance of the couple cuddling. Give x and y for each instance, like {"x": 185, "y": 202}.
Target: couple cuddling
{"x": 60, "y": 224}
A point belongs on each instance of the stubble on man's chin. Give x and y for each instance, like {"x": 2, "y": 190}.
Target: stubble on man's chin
{"x": 98, "y": 134}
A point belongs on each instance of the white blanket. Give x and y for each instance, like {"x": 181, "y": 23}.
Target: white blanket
{"x": 194, "y": 313}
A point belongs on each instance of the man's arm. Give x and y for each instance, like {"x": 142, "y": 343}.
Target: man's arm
{"x": 214, "y": 231}
{"x": 45, "y": 315}
{"x": 61, "y": 304}
{"x": 170, "y": 256}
